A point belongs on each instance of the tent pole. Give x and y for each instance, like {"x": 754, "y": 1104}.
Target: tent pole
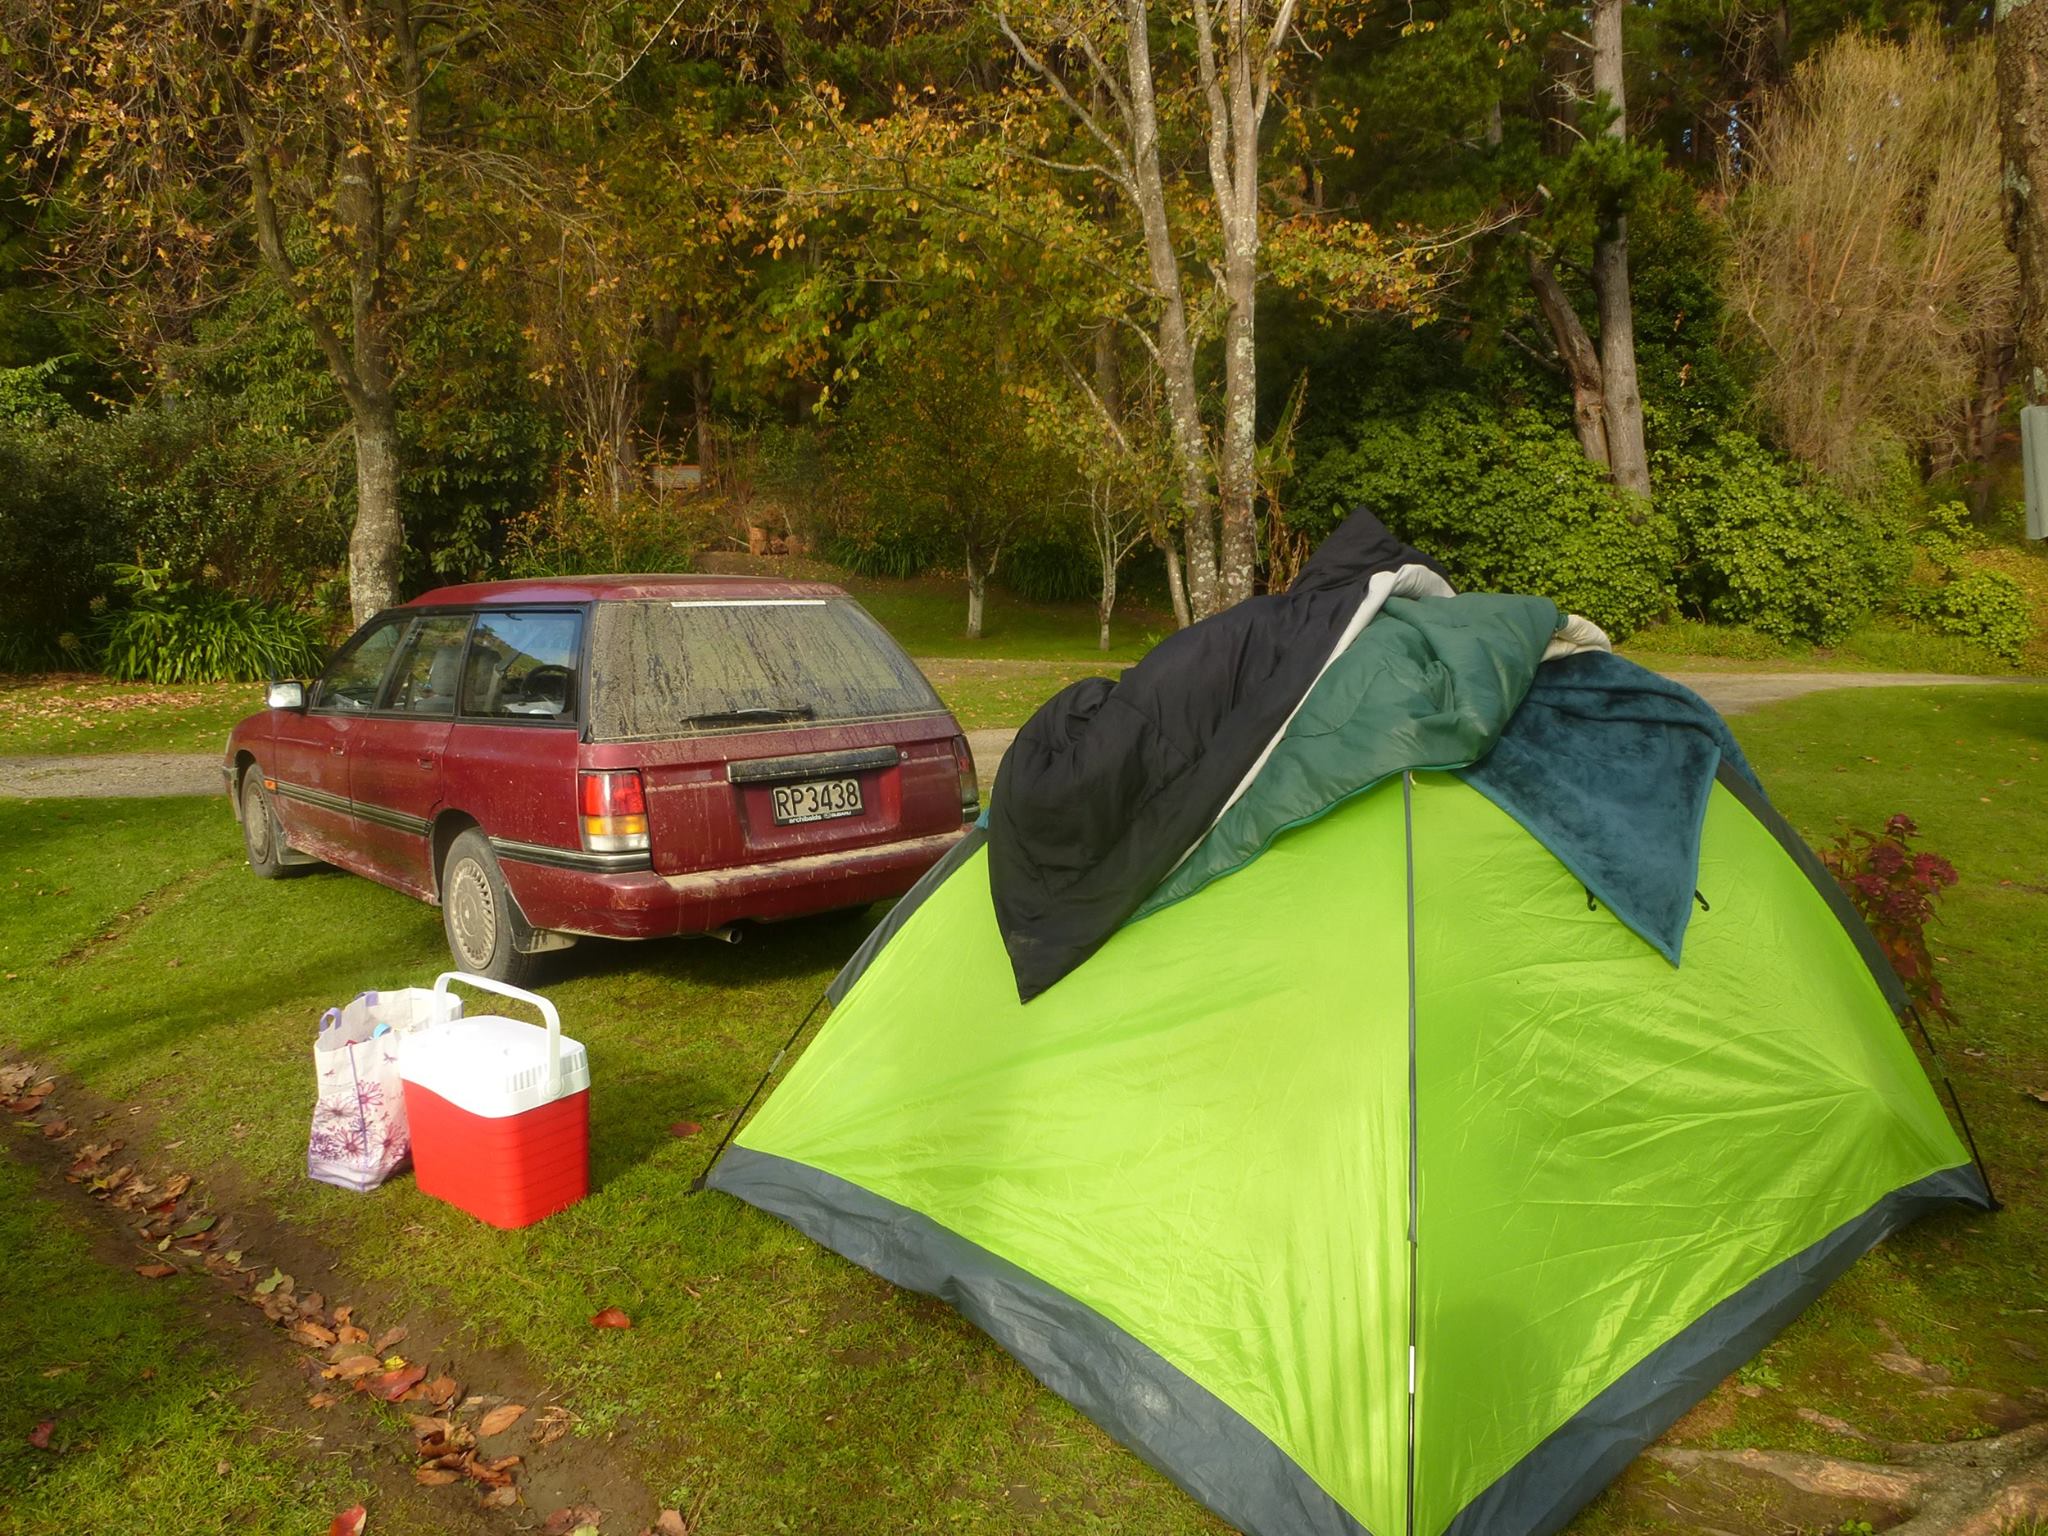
{"x": 732, "y": 1126}
{"x": 1414, "y": 1182}
{"x": 1969, "y": 1138}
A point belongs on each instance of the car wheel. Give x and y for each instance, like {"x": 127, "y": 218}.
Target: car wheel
{"x": 477, "y": 912}
{"x": 262, "y": 837}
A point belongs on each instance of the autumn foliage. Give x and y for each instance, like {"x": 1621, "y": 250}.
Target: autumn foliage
{"x": 1895, "y": 889}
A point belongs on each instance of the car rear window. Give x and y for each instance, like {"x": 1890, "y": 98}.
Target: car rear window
{"x": 718, "y": 664}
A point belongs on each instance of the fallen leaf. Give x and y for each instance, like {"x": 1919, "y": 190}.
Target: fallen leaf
{"x": 671, "y": 1523}
{"x": 571, "y": 1518}
{"x": 155, "y": 1271}
{"x": 222, "y": 1468}
{"x": 195, "y": 1226}
{"x": 349, "y": 1522}
{"x": 500, "y": 1498}
{"x": 278, "y": 1280}
{"x": 498, "y": 1420}
{"x": 57, "y": 1130}
{"x": 312, "y": 1335}
{"x": 39, "y": 1437}
{"x": 441, "y": 1391}
{"x": 426, "y": 1426}
{"x": 385, "y": 1340}
{"x": 349, "y": 1333}
{"x": 343, "y": 1314}
{"x": 685, "y": 1128}
{"x": 436, "y": 1477}
{"x": 176, "y": 1185}
{"x": 353, "y": 1367}
{"x": 393, "y": 1385}
{"x": 611, "y": 1317}
{"x": 2038, "y": 1095}
{"x": 550, "y": 1424}
{"x": 322, "y": 1400}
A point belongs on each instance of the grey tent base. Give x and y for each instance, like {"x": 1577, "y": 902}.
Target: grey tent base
{"x": 1205, "y": 1447}
{"x": 1542, "y": 1491}
{"x": 1217, "y": 1456}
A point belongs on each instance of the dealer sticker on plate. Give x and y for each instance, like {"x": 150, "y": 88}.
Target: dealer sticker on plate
{"x": 817, "y": 800}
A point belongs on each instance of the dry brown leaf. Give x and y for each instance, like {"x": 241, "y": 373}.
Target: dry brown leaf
{"x": 312, "y": 1335}
{"x": 349, "y": 1333}
{"x": 157, "y": 1271}
{"x": 57, "y": 1130}
{"x": 441, "y": 1391}
{"x": 500, "y": 1498}
{"x": 571, "y": 1517}
{"x": 425, "y": 1427}
{"x": 671, "y": 1523}
{"x": 343, "y": 1314}
{"x": 2038, "y": 1095}
{"x": 350, "y": 1522}
{"x": 611, "y": 1317}
{"x": 435, "y": 1477}
{"x": 322, "y": 1400}
{"x": 393, "y": 1385}
{"x": 550, "y": 1424}
{"x": 39, "y": 1437}
{"x": 387, "y": 1339}
{"x": 354, "y": 1367}
{"x": 176, "y": 1185}
{"x": 498, "y": 1420}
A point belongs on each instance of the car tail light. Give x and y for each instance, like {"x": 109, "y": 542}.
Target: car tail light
{"x": 614, "y": 811}
{"x": 970, "y": 787}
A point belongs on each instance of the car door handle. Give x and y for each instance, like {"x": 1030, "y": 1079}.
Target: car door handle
{"x": 339, "y": 749}
{"x": 426, "y": 759}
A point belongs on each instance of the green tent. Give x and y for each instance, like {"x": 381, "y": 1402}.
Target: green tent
{"x": 1389, "y": 1184}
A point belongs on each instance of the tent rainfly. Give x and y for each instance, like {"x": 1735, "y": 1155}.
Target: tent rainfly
{"x": 1388, "y": 1169}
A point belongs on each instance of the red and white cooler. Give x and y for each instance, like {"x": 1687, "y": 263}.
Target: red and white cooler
{"x": 500, "y": 1111}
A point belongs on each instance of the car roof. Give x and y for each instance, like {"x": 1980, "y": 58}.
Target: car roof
{"x": 656, "y": 586}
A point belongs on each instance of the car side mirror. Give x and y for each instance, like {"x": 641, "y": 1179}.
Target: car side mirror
{"x": 286, "y": 696}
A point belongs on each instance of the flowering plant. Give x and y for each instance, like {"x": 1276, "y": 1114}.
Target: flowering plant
{"x": 1895, "y": 889}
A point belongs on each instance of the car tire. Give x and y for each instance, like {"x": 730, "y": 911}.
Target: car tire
{"x": 262, "y": 836}
{"x": 478, "y": 914}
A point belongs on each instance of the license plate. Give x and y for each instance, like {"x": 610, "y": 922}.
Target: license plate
{"x": 817, "y": 800}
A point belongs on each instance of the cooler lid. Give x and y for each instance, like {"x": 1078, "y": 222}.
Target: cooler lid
{"x": 491, "y": 1066}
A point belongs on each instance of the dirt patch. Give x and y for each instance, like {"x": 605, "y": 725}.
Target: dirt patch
{"x": 111, "y": 776}
{"x": 318, "y": 1414}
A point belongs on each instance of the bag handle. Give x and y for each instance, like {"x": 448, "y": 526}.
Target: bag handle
{"x": 519, "y": 995}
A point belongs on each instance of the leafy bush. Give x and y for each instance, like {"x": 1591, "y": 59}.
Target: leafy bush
{"x": 1955, "y": 597}
{"x": 1797, "y": 561}
{"x": 56, "y": 531}
{"x": 1506, "y": 500}
{"x": 170, "y": 631}
{"x": 1055, "y": 566}
{"x": 1895, "y": 890}
{"x": 642, "y": 533}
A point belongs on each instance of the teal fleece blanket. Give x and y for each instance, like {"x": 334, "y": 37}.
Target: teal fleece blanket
{"x": 1606, "y": 764}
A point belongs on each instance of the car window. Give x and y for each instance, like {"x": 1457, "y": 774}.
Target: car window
{"x": 425, "y": 678}
{"x": 713, "y": 664}
{"x": 351, "y": 680}
{"x": 522, "y": 666}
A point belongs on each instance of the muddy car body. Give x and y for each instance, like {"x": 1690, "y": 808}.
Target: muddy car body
{"x": 618, "y": 756}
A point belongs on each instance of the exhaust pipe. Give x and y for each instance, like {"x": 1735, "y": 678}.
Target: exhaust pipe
{"x": 725, "y": 935}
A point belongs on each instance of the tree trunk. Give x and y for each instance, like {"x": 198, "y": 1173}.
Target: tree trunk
{"x": 376, "y": 544}
{"x": 1626, "y": 455}
{"x": 1176, "y": 351}
{"x": 977, "y": 594}
{"x": 1234, "y": 178}
{"x": 1175, "y": 588}
{"x": 1106, "y": 604}
{"x": 1581, "y": 361}
{"x": 2020, "y": 39}
{"x": 700, "y": 405}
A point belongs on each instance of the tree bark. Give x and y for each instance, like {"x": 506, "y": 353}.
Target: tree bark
{"x": 1176, "y": 350}
{"x": 376, "y": 544}
{"x": 977, "y": 594}
{"x": 1175, "y": 587}
{"x": 2020, "y": 41}
{"x": 1234, "y": 181}
{"x": 1106, "y": 604}
{"x": 1581, "y": 362}
{"x": 1627, "y": 457}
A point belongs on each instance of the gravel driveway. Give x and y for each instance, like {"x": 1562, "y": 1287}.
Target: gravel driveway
{"x": 139, "y": 774}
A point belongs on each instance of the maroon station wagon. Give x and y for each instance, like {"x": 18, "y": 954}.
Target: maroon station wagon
{"x": 624, "y": 756}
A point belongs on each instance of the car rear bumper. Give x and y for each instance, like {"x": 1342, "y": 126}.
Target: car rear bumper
{"x": 640, "y": 904}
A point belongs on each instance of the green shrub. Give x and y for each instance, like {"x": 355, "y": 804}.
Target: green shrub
{"x": 169, "y": 631}
{"x": 1056, "y": 566}
{"x": 1797, "y": 561}
{"x": 644, "y": 532}
{"x": 1987, "y": 608}
{"x": 1506, "y": 500}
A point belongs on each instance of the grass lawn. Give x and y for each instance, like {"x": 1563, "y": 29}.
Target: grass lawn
{"x": 146, "y": 1416}
{"x": 791, "y": 1391}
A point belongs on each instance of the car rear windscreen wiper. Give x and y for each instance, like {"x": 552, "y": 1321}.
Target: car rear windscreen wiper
{"x": 751, "y": 716}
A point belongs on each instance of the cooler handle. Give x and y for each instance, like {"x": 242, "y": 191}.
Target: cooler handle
{"x": 519, "y": 995}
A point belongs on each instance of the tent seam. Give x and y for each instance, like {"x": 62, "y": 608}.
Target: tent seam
{"x": 1414, "y": 1159}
